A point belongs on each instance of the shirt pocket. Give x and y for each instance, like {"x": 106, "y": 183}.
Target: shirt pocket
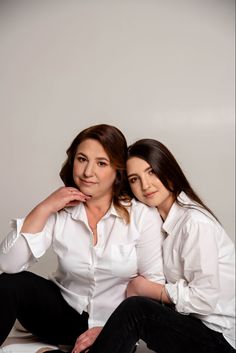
{"x": 124, "y": 260}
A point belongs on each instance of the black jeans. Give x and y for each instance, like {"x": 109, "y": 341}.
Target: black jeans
{"x": 39, "y": 306}
{"x": 161, "y": 327}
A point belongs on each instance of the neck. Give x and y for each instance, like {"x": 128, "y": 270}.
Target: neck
{"x": 164, "y": 208}
{"x": 95, "y": 210}
{"x": 98, "y": 206}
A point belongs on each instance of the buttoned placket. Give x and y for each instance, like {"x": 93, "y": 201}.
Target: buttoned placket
{"x": 95, "y": 254}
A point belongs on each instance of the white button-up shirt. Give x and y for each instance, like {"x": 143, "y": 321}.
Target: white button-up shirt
{"x": 92, "y": 278}
{"x": 199, "y": 267}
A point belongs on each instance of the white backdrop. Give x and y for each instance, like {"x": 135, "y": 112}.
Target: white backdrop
{"x": 160, "y": 69}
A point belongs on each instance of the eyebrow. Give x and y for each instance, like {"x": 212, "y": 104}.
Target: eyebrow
{"x": 131, "y": 175}
{"x": 135, "y": 174}
{"x": 98, "y": 158}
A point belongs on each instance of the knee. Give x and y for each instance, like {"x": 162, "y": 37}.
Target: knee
{"x": 4, "y": 278}
{"x": 133, "y": 304}
{"x": 10, "y": 281}
{"x": 142, "y": 306}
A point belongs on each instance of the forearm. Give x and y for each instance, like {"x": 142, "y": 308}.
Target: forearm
{"x": 143, "y": 287}
{"x": 63, "y": 197}
{"x": 155, "y": 291}
{"x": 36, "y": 219}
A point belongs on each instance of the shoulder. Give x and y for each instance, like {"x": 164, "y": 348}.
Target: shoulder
{"x": 196, "y": 213}
{"x": 139, "y": 207}
{"x": 191, "y": 225}
{"x": 197, "y": 218}
{"x": 186, "y": 213}
{"x": 201, "y": 234}
{"x": 141, "y": 213}
{"x": 197, "y": 228}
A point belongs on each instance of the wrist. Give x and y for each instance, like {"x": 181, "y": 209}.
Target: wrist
{"x": 45, "y": 209}
{"x": 162, "y": 294}
{"x": 36, "y": 219}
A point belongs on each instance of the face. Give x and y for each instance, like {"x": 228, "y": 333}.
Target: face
{"x": 92, "y": 170}
{"x": 147, "y": 187}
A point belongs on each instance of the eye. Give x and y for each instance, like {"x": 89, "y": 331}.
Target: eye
{"x": 81, "y": 159}
{"x": 151, "y": 172}
{"x": 102, "y": 164}
{"x": 133, "y": 180}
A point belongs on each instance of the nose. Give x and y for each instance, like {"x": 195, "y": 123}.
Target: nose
{"x": 89, "y": 170}
{"x": 145, "y": 183}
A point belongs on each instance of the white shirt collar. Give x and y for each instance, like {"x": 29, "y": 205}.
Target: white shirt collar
{"x": 78, "y": 212}
{"x": 173, "y": 216}
{"x": 177, "y": 211}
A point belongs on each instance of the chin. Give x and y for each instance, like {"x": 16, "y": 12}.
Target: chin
{"x": 150, "y": 203}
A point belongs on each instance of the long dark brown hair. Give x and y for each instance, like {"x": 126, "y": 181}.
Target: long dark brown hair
{"x": 166, "y": 168}
{"x": 115, "y": 145}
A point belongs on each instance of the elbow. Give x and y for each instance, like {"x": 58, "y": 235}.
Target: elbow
{"x": 206, "y": 307}
{"x": 9, "y": 268}
{"x": 205, "y": 301}
{"x": 199, "y": 307}
{"x": 197, "y": 301}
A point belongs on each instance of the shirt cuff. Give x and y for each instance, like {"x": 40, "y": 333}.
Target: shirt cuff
{"x": 177, "y": 295}
{"x": 10, "y": 240}
{"x": 36, "y": 243}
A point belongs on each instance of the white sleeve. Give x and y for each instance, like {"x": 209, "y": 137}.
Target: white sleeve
{"x": 149, "y": 247}
{"x": 198, "y": 288}
{"x": 20, "y": 250}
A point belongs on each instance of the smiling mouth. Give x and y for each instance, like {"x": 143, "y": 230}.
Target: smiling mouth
{"x": 149, "y": 195}
{"x": 86, "y": 182}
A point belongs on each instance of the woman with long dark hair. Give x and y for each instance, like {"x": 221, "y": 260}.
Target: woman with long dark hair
{"x": 194, "y": 311}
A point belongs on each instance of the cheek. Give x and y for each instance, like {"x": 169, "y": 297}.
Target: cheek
{"x": 135, "y": 189}
{"x": 76, "y": 167}
{"x": 109, "y": 177}
{"x": 75, "y": 172}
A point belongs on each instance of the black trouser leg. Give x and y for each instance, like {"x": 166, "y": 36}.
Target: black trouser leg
{"x": 163, "y": 329}
{"x": 39, "y": 306}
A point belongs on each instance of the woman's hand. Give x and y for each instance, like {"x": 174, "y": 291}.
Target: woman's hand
{"x": 86, "y": 340}
{"x": 63, "y": 197}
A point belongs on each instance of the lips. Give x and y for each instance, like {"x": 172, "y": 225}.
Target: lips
{"x": 150, "y": 194}
{"x": 86, "y": 182}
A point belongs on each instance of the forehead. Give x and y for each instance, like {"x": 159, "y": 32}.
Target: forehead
{"x": 91, "y": 147}
{"x": 136, "y": 165}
